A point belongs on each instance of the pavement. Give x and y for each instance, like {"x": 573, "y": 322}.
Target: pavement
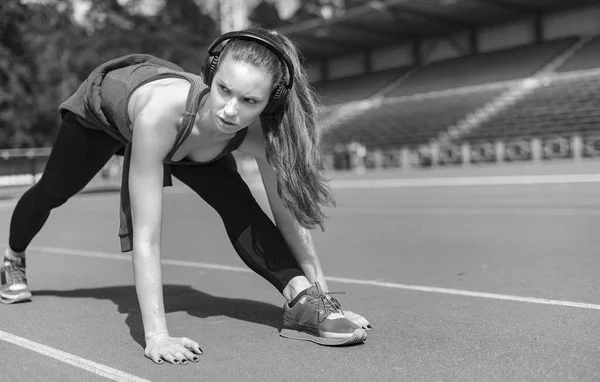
{"x": 494, "y": 282}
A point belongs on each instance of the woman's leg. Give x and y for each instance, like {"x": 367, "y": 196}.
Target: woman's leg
{"x": 77, "y": 156}
{"x": 310, "y": 315}
{"x": 254, "y": 236}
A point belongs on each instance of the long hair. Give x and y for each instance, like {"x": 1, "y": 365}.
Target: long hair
{"x": 291, "y": 134}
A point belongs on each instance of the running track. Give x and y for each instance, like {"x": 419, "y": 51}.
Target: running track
{"x": 461, "y": 278}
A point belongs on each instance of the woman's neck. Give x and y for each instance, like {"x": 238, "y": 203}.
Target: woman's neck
{"x": 205, "y": 122}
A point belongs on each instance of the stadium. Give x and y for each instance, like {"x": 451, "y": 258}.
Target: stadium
{"x": 438, "y": 83}
{"x": 462, "y": 140}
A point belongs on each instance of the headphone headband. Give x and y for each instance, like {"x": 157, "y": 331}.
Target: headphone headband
{"x": 263, "y": 40}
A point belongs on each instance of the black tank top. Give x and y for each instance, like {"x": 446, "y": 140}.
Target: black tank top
{"x": 118, "y": 86}
{"x": 101, "y": 103}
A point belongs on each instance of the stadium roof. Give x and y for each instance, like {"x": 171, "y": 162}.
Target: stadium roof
{"x": 373, "y": 23}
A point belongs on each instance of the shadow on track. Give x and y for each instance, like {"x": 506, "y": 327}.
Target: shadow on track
{"x": 177, "y": 298}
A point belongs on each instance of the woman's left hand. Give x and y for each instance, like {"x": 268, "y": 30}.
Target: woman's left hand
{"x": 357, "y": 319}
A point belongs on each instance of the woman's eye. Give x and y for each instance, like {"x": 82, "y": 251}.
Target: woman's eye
{"x": 223, "y": 88}
{"x": 250, "y": 101}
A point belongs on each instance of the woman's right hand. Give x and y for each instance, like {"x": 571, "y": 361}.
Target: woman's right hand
{"x": 161, "y": 347}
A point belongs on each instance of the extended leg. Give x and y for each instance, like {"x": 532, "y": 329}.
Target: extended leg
{"x": 312, "y": 314}
{"x": 77, "y": 156}
{"x": 254, "y": 236}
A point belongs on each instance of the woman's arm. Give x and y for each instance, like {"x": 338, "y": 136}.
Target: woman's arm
{"x": 297, "y": 237}
{"x": 153, "y": 137}
{"x": 149, "y": 147}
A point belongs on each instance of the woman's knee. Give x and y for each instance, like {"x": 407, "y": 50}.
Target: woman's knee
{"x": 47, "y": 195}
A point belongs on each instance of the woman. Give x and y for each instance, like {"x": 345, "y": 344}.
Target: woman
{"x": 253, "y": 97}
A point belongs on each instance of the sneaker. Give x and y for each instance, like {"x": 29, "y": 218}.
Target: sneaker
{"x": 319, "y": 318}
{"x": 13, "y": 281}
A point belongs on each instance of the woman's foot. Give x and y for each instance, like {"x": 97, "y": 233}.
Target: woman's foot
{"x": 316, "y": 316}
{"x": 13, "y": 279}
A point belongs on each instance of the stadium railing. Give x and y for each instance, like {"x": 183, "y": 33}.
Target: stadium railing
{"x": 24, "y": 167}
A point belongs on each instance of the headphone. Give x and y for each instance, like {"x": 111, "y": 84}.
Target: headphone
{"x": 279, "y": 94}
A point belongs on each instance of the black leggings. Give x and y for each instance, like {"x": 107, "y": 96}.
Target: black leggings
{"x": 78, "y": 155}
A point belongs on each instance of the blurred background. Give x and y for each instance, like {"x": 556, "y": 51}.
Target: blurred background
{"x": 404, "y": 83}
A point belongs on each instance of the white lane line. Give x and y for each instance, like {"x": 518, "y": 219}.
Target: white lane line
{"x": 460, "y": 292}
{"x": 375, "y": 283}
{"x": 450, "y": 181}
{"x": 92, "y": 367}
{"x": 127, "y": 257}
{"x": 470, "y": 211}
{"x": 466, "y": 181}
{"x": 453, "y": 181}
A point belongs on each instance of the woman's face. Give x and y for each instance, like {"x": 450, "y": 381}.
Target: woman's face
{"x": 238, "y": 94}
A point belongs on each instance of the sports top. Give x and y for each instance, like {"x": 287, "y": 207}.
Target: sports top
{"x": 101, "y": 103}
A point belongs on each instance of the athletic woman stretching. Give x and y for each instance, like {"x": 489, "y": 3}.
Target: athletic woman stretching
{"x": 253, "y": 96}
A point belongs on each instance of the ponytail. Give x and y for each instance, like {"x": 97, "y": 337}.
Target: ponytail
{"x": 293, "y": 141}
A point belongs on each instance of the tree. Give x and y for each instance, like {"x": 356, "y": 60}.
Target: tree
{"x": 17, "y": 98}
{"x": 45, "y": 54}
{"x": 266, "y": 15}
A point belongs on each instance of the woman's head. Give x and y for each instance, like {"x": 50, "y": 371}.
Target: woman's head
{"x": 247, "y": 77}
{"x": 239, "y": 94}
{"x": 260, "y": 84}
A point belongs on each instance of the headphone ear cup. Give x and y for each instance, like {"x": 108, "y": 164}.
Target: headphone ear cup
{"x": 210, "y": 67}
{"x": 277, "y": 99}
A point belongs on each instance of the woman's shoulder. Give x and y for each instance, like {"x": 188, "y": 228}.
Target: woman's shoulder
{"x": 163, "y": 100}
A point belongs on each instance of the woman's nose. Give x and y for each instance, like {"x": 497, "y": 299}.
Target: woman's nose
{"x": 231, "y": 107}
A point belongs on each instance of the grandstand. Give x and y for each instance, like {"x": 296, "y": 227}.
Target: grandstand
{"x": 587, "y": 58}
{"x": 494, "y": 82}
{"x": 480, "y": 69}
{"x": 563, "y": 106}
{"x": 410, "y": 121}
{"x": 356, "y": 87}
{"x": 446, "y": 81}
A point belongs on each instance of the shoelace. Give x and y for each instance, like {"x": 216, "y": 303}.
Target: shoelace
{"x": 330, "y": 304}
{"x": 15, "y": 275}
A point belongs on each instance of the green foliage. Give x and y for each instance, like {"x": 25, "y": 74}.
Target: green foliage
{"x": 16, "y": 71}
{"x": 45, "y": 54}
{"x": 265, "y": 15}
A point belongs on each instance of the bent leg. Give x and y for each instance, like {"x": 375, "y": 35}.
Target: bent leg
{"x": 77, "y": 156}
{"x": 255, "y": 238}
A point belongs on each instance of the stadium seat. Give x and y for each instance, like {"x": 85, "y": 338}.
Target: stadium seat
{"x": 356, "y": 87}
{"x": 588, "y": 57}
{"x": 409, "y": 121}
{"x": 504, "y": 65}
{"x": 566, "y": 106}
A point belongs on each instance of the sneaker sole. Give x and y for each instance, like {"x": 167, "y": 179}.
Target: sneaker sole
{"x": 359, "y": 335}
{"x": 11, "y": 299}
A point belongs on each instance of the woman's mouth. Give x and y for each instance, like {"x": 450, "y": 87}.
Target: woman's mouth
{"x": 226, "y": 122}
